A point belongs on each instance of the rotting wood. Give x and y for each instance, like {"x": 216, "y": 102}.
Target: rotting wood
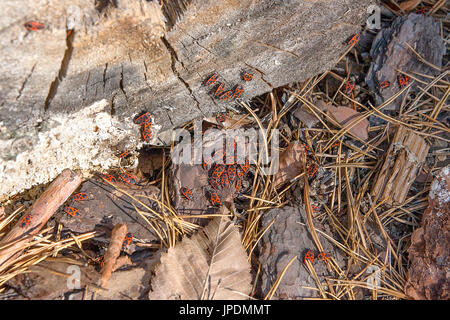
{"x": 41, "y": 211}
{"x": 404, "y": 157}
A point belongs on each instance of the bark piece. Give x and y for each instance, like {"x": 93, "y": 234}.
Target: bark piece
{"x": 390, "y": 53}
{"x": 107, "y": 207}
{"x": 211, "y": 265}
{"x": 430, "y": 245}
{"x": 42, "y": 210}
{"x": 115, "y": 246}
{"x": 285, "y": 239}
{"x": 402, "y": 162}
{"x": 117, "y": 54}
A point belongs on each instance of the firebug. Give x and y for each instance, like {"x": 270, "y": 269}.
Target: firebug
{"x": 186, "y": 192}
{"x": 247, "y": 76}
{"x": 79, "y": 196}
{"x": 211, "y": 80}
{"x": 71, "y": 211}
{"x": 34, "y": 26}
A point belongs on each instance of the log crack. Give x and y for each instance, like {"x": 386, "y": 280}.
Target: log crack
{"x": 174, "y": 59}
{"x": 25, "y": 82}
{"x": 62, "y": 70}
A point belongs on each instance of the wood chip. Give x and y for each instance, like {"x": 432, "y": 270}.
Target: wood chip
{"x": 403, "y": 160}
{"x": 115, "y": 246}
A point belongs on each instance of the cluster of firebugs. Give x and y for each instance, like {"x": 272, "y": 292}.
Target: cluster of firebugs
{"x": 220, "y": 175}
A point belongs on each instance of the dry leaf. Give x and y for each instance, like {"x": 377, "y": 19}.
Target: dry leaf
{"x": 290, "y": 163}
{"x": 345, "y": 115}
{"x": 211, "y": 265}
{"x": 409, "y": 5}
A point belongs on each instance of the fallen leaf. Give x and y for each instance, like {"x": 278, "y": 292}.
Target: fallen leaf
{"x": 409, "y": 5}
{"x": 115, "y": 246}
{"x": 211, "y": 265}
{"x": 345, "y": 115}
{"x": 124, "y": 285}
{"x": 290, "y": 163}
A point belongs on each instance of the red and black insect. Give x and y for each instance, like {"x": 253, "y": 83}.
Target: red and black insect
{"x": 221, "y": 117}
{"x": 238, "y": 90}
{"x": 385, "y": 84}
{"x": 146, "y": 132}
{"x": 238, "y": 185}
{"x": 421, "y": 11}
{"x": 354, "y": 40}
{"x": 214, "y": 198}
{"x": 211, "y": 80}
{"x": 123, "y": 154}
{"x": 127, "y": 178}
{"x": 34, "y": 26}
{"x": 79, "y": 196}
{"x": 315, "y": 209}
{"x": 246, "y": 166}
{"x": 349, "y": 86}
{"x": 309, "y": 256}
{"x": 108, "y": 177}
{"x": 226, "y": 95}
{"x": 219, "y": 89}
{"x": 403, "y": 80}
{"x": 144, "y": 118}
{"x": 232, "y": 173}
{"x": 218, "y": 171}
{"x": 247, "y": 76}
{"x": 26, "y": 220}
{"x": 71, "y": 211}
{"x": 309, "y": 151}
{"x": 214, "y": 183}
{"x": 240, "y": 173}
{"x": 224, "y": 181}
{"x": 187, "y": 193}
{"x": 312, "y": 169}
{"x": 323, "y": 256}
{"x": 128, "y": 240}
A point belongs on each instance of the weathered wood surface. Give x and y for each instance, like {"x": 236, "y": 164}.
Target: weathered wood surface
{"x": 402, "y": 162}
{"x": 50, "y": 114}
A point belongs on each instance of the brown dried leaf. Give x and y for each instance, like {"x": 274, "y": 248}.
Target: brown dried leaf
{"x": 115, "y": 246}
{"x": 211, "y": 265}
{"x": 290, "y": 163}
{"x": 345, "y": 115}
{"x": 409, "y": 5}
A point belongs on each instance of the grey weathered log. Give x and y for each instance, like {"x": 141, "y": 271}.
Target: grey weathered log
{"x": 50, "y": 114}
